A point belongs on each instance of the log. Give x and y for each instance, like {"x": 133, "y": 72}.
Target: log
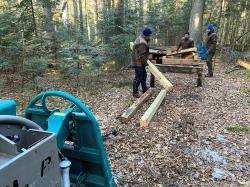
{"x": 179, "y": 68}
{"x": 148, "y": 115}
{"x": 178, "y": 61}
{"x": 243, "y": 64}
{"x": 129, "y": 113}
{"x": 161, "y": 78}
{"x": 194, "y": 49}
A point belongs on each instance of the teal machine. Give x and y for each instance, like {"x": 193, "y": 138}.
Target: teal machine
{"x": 77, "y": 134}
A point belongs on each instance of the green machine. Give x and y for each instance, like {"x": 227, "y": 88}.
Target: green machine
{"x": 77, "y": 135}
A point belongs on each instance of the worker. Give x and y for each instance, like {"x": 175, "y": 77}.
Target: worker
{"x": 185, "y": 43}
{"x": 140, "y": 56}
{"x": 211, "y": 42}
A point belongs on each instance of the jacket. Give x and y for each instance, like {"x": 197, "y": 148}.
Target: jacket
{"x": 185, "y": 44}
{"x": 211, "y": 42}
{"x": 140, "y": 52}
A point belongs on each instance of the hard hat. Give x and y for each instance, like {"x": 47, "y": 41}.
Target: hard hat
{"x": 147, "y": 31}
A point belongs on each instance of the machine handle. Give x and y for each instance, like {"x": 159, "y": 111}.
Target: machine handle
{"x": 42, "y": 96}
{"x": 19, "y": 121}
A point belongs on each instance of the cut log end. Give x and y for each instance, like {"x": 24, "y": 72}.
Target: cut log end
{"x": 169, "y": 88}
{"x": 243, "y": 64}
{"x": 148, "y": 115}
{"x": 143, "y": 123}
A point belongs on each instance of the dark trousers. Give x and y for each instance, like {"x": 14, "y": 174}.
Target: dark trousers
{"x": 140, "y": 79}
{"x": 209, "y": 60}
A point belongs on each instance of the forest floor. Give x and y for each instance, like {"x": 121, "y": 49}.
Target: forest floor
{"x": 200, "y": 136}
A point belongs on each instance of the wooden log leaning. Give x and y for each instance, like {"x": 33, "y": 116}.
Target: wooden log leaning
{"x": 243, "y": 64}
{"x": 148, "y": 115}
{"x": 128, "y": 114}
{"x": 161, "y": 78}
{"x": 194, "y": 49}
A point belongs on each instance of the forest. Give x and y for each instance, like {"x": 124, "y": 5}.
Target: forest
{"x": 51, "y": 31}
{"x": 199, "y": 136}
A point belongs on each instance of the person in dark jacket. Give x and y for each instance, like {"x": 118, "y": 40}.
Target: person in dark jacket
{"x": 185, "y": 43}
{"x": 211, "y": 42}
{"x": 140, "y": 56}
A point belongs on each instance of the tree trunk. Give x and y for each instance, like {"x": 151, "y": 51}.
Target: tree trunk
{"x": 75, "y": 7}
{"x": 196, "y": 19}
{"x": 48, "y": 15}
{"x": 119, "y": 16}
{"x": 81, "y": 21}
{"x": 33, "y": 17}
{"x": 232, "y": 29}
{"x": 246, "y": 28}
{"x": 220, "y": 32}
{"x": 226, "y": 31}
{"x": 141, "y": 15}
{"x": 96, "y": 19}
{"x": 87, "y": 19}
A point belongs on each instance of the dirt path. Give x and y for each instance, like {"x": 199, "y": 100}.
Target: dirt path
{"x": 186, "y": 144}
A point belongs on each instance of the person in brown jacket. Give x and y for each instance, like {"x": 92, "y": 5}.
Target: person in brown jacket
{"x": 211, "y": 42}
{"x": 185, "y": 43}
{"x": 140, "y": 56}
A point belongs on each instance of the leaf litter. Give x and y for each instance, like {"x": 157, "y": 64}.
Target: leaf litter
{"x": 187, "y": 142}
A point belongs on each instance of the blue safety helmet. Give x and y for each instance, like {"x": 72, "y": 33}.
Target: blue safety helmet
{"x": 210, "y": 26}
{"x": 147, "y": 31}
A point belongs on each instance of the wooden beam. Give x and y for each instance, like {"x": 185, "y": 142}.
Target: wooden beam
{"x": 243, "y": 64}
{"x": 160, "y": 77}
{"x": 194, "y": 49}
{"x": 157, "y": 52}
{"x": 178, "y": 61}
{"x": 148, "y": 115}
{"x": 179, "y": 68}
{"x": 131, "y": 45}
{"x": 128, "y": 114}
{"x": 197, "y": 58}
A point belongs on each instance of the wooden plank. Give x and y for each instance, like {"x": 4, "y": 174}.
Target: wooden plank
{"x": 178, "y": 61}
{"x": 243, "y": 64}
{"x": 179, "y": 68}
{"x": 131, "y": 45}
{"x": 160, "y": 77}
{"x": 157, "y": 52}
{"x": 148, "y": 115}
{"x": 194, "y": 49}
{"x": 197, "y": 58}
{"x": 128, "y": 114}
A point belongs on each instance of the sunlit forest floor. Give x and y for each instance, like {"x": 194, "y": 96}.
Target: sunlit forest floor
{"x": 200, "y": 136}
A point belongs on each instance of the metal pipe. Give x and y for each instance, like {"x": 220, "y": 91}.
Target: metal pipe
{"x": 64, "y": 165}
{"x": 20, "y": 121}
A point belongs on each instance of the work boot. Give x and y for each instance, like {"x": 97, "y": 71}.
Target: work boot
{"x": 143, "y": 91}
{"x": 208, "y": 75}
{"x": 136, "y": 95}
